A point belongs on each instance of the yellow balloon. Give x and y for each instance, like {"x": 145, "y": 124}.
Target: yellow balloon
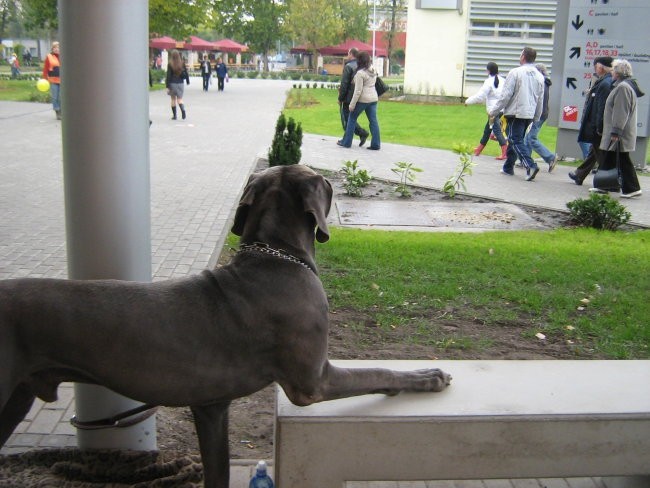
{"x": 42, "y": 85}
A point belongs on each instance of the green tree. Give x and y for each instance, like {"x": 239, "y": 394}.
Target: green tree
{"x": 314, "y": 22}
{"x": 177, "y": 18}
{"x": 354, "y": 19}
{"x": 256, "y": 22}
{"x": 9, "y": 14}
{"x": 40, "y": 14}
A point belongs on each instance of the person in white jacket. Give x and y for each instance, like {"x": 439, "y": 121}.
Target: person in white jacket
{"x": 490, "y": 93}
{"x": 521, "y": 102}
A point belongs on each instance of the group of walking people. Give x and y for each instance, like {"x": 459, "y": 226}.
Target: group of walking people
{"x": 522, "y": 99}
{"x": 608, "y": 126}
{"x": 220, "y": 69}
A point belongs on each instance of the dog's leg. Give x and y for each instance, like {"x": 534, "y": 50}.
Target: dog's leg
{"x": 211, "y": 422}
{"x": 332, "y": 383}
{"x": 14, "y": 411}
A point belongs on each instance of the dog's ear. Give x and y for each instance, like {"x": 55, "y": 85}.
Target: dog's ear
{"x": 316, "y": 194}
{"x": 245, "y": 202}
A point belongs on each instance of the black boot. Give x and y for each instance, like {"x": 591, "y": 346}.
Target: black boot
{"x": 182, "y": 110}
{"x": 174, "y": 112}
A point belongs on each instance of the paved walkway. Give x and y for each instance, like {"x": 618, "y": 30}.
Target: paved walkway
{"x": 198, "y": 169}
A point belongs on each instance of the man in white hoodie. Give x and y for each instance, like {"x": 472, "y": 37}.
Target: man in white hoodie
{"x": 521, "y": 102}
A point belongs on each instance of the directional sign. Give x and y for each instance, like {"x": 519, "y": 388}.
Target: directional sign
{"x": 616, "y": 28}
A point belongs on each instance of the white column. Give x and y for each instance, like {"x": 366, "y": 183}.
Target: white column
{"x": 105, "y": 109}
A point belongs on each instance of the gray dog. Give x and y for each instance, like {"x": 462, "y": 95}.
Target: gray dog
{"x": 223, "y": 334}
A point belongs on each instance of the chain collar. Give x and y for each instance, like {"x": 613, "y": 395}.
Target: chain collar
{"x": 263, "y": 248}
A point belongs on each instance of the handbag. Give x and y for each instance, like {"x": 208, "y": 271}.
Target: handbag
{"x": 610, "y": 179}
{"x": 380, "y": 86}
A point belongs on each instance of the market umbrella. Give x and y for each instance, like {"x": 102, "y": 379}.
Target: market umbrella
{"x": 343, "y": 48}
{"x": 165, "y": 42}
{"x": 198, "y": 44}
{"x": 302, "y": 49}
{"x": 229, "y": 46}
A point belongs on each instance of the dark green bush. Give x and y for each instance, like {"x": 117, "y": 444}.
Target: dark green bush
{"x": 285, "y": 149}
{"x": 599, "y": 212}
{"x": 252, "y": 74}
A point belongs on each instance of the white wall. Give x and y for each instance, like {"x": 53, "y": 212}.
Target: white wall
{"x": 435, "y": 51}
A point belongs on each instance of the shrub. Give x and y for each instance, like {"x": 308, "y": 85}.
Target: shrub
{"x": 307, "y": 76}
{"x": 295, "y": 76}
{"x": 157, "y": 75}
{"x": 285, "y": 149}
{"x": 264, "y": 75}
{"x": 240, "y": 74}
{"x": 599, "y": 212}
{"x": 464, "y": 168}
{"x": 355, "y": 179}
{"x": 252, "y": 74}
{"x": 406, "y": 172}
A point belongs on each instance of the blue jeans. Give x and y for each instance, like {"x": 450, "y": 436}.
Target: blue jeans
{"x": 495, "y": 129}
{"x": 371, "y": 112}
{"x": 534, "y": 143}
{"x": 584, "y": 147}
{"x": 517, "y": 147}
{"x": 55, "y": 94}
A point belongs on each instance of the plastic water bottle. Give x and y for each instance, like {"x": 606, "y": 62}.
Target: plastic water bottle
{"x": 261, "y": 479}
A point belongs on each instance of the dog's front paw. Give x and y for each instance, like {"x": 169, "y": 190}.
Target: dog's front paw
{"x": 434, "y": 379}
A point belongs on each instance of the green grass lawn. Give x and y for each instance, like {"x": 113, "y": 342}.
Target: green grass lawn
{"x": 578, "y": 285}
{"x": 566, "y": 285}
{"x": 25, "y": 91}
{"x": 413, "y": 124}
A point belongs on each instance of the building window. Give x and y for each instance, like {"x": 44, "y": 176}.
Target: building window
{"x": 510, "y": 29}
{"x": 498, "y": 29}
{"x": 485, "y": 29}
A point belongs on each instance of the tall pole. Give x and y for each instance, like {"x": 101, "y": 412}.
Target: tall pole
{"x": 105, "y": 109}
{"x": 374, "y": 29}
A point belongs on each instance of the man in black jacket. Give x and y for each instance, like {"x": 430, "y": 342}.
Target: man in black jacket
{"x": 345, "y": 94}
{"x": 591, "y": 124}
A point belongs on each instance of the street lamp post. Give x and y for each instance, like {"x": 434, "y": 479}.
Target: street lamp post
{"x": 374, "y": 29}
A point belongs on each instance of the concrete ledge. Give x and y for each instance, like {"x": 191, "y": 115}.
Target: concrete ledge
{"x": 499, "y": 419}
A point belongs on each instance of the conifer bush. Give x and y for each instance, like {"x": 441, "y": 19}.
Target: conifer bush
{"x": 285, "y": 149}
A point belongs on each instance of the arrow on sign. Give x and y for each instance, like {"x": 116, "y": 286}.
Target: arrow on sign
{"x": 571, "y": 83}
{"x": 575, "y": 52}
{"x": 577, "y": 23}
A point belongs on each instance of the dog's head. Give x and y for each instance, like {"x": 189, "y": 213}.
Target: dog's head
{"x": 277, "y": 198}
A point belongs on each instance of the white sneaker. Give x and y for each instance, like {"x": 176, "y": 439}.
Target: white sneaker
{"x": 597, "y": 190}
{"x": 631, "y": 195}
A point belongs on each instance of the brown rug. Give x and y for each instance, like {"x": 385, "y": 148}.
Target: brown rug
{"x": 72, "y": 468}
